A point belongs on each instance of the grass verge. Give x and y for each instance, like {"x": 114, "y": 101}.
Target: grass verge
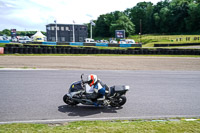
{"x": 106, "y": 127}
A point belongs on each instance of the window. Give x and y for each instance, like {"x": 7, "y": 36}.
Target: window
{"x": 62, "y": 39}
{"x": 52, "y": 27}
{"x": 80, "y": 39}
{"x": 48, "y": 28}
{"x": 53, "y": 39}
{"x": 71, "y": 39}
{"x": 58, "y": 28}
{"x": 62, "y": 28}
{"x": 67, "y": 28}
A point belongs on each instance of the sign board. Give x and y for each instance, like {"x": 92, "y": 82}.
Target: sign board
{"x": 119, "y": 33}
{"x": 13, "y": 32}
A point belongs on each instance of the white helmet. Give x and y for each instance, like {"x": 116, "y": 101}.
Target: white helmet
{"x": 92, "y": 79}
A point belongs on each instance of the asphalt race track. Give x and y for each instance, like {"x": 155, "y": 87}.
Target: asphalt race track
{"x": 36, "y": 95}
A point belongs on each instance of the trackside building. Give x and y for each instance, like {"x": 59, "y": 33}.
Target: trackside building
{"x": 65, "y": 32}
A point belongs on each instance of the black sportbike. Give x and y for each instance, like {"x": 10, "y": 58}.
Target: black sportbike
{"x": 114, "y": 96}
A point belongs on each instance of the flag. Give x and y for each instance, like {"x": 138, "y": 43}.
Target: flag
{"x": 54, "y": 21}
{"x": 92, "y": 23}
{"x": 73, "y": 21}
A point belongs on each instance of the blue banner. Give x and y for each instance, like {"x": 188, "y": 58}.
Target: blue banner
{"x": 4, "y": 41}
{"x": 76, "y": 43}
{"x": 125, "y": 45}
{"x": 49, "y": 43}
{"x": 102, "y": 44}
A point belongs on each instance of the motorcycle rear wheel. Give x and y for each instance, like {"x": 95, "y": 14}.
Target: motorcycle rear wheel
{"x": 68, "y": 100}
{"x": 118, "y": 101}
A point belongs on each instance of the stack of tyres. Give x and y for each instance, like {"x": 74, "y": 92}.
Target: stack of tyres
{"x": 139, "y": 51}
{"x": 49, "y": 50}
{"x": 145, "y": 51}
{"x": 45, "y": 50}
{"x": 59, "y": 50}
{"x": 35, "y": 50}
{"x": 15, "y": 50}
{"x": 5, "y": 50}
{"x": 115, "y": 51}
{"x": 89, "y": 50}
{"x": 54, "y": 50}
{"x": 68, "y": 50}
{"x": 10, "y": 49}
{"x": 21, "y": 50}
{"x": 170, "y": 52}
{"x": 97, "y": 51}
{"x": 40, "y": 50}
{"x": 175, "y": 51}
{"x": 63, "y": 50}
{"x": 198, "y": 51}
{"x": 25, "y": 50}
{"x": 159, "y": 51}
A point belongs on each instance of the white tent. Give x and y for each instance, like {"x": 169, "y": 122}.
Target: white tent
{"x": 38, "y": 34}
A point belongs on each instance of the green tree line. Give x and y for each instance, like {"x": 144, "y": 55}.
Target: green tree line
{"x": 7, "y": 32}
{"x": 166, "y": 17}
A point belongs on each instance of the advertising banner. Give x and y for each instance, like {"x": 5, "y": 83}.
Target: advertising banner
{"x": 119, "y": 33}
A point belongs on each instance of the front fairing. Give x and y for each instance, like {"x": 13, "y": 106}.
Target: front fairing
{"x": 76, "y": 86}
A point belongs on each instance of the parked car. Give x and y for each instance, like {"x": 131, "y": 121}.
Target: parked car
{"x": 24, "y": 40}
{"x": 127, "y": 41}
{"x": 113, "y": 41}
{"x": 130, "y": 41}
{"x": 89, "y": 40}
{"x": 14, "y": 39}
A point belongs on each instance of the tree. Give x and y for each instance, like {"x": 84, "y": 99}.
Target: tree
{"x": 6, "y": 32}
{"x": 102, "y": 26}
{"x": 142, "y": 11}
{"x": 122, "y": 23}
{"x": 193, "y": 20}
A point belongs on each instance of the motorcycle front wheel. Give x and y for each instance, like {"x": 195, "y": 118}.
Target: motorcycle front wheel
{"x": 68, "y": 100}
{"x": 118, "y": 101}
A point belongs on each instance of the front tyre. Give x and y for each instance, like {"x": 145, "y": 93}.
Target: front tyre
{"x": 118, "y": 101}
{"x": 68, "y": 100}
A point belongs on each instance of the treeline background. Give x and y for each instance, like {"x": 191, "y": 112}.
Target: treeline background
{"x": 19, "y": 33}
{"x": 166, "y": 17}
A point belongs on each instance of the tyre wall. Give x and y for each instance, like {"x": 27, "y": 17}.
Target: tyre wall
{"x": 27, "y": 49}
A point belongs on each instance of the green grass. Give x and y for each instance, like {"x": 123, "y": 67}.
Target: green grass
{"x": 106, "y": 127}
{"x": 2, "y": 44}
{"x": 197, "y": 56}
{"x": 150, "y": 40}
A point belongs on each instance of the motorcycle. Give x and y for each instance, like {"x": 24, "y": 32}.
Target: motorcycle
{"x": 114, "y": 96}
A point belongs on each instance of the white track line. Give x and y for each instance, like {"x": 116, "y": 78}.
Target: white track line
{"x": 25, "y": 69}
{"x": 93, "y": 119}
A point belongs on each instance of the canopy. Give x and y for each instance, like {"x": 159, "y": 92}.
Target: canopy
{"x": 38, "y": 33}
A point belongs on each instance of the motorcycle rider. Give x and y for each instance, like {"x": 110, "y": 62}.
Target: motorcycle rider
{"x": 94, "y": 85}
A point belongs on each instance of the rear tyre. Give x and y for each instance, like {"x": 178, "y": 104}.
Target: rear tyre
{"x": 118, "y": 101}
{"x": 68, "y": 100}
